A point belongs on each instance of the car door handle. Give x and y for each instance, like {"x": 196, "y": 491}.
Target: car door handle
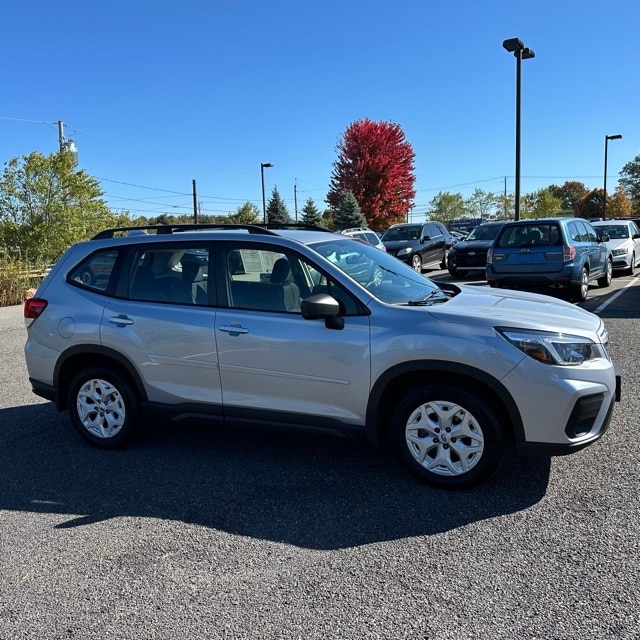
{"x": 233, "y": 329}
{"x": 121, "y": 320}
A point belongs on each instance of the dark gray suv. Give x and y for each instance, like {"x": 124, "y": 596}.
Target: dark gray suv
{"x": 420, "y": 245}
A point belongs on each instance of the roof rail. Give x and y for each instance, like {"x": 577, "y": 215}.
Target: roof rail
{"x": 162, "y": 229}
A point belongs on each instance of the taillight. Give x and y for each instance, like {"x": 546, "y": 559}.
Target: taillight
{"x": 568, "y": 252}
{"x": 33, "y": 307}
{"x": 490, "y": 256}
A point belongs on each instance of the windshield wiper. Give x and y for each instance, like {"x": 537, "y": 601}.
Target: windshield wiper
{"x": 428, "y": 298}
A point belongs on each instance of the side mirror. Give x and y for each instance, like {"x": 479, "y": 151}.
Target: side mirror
{"x": 322, "y": 306}
{"x": 636, "y": 236}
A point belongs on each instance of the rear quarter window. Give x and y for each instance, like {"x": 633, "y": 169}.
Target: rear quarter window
{"x": 95, "y": 271}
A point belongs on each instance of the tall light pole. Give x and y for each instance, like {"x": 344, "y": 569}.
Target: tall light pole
{"x": 516, "y": 46}
{"x": 264, "y": 202}
{"x": 606, "y": 143}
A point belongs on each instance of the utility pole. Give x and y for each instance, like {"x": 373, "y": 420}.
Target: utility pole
{"x": 195, "y": 204}
{"x": 67, "y": 146}
{"x": 505, "y": 197}
{"x": 295, "y": 197}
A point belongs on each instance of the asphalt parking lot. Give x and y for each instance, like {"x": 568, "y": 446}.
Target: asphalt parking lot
{"x": 197, "y": 533}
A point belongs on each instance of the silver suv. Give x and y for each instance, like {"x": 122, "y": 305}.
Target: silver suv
{"x": 307, "y": 329}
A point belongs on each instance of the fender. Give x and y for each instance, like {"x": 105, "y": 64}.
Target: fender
{"x": 481, "y": 379}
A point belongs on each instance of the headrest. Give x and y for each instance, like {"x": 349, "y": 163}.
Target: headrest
{"x": 280, "y": 271}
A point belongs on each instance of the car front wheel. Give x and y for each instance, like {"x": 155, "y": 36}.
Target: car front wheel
{"x": 102, "y": 407}
{"x": 446, "y": 436}
{"x": 416, "y": 263}
{"x": 605, "y": 281}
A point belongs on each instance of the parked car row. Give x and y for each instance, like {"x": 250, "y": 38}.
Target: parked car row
{"x": 559, "y": 253}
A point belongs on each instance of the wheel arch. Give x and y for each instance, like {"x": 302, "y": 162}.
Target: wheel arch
{"x": 82, "y": 357}
{"x": 397, "y": 380}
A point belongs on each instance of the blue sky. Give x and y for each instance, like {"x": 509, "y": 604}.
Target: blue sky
{"x": 159, "y": 93}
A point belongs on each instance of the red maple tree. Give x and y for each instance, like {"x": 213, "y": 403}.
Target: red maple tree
{"x": 375, "y": 163}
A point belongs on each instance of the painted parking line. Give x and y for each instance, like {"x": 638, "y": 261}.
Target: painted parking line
{"x": 615, "y": 296}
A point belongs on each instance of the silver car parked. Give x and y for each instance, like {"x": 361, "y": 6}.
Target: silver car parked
{"x": 624, "y": 242}
{"x": 246, "y": 326}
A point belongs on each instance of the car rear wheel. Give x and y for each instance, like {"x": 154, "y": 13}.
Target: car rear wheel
{"x": 446, "y": 436}
{"x": 416, "y": 263}
{"x": 102, "y": 407}
{"x": 605, "y": 281}
{"x": 580, "y": 291}
{"x": 632, "y": 268}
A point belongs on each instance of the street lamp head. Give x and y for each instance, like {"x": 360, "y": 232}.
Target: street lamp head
{"x": 265, "y": 164}
{"x": 513, "y": 44}
{"x": 616, "y": 137}
{"x": 527, "y": 53}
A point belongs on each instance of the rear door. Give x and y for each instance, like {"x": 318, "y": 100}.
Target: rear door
{"x": 162, "y": 323}
{"x": 597, "y": 251}
{"x": 432, "y": 244}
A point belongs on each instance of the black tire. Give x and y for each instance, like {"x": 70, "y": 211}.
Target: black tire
{"x": 632, "y": 269}
{"x": 605, "y": 281}
{"x": 103, "y": 407}
{"x": 455, "y": 273}
{"x": 426, "y": 425}
{"x": 579, "y": 292}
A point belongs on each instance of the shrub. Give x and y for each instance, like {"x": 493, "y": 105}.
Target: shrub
{"x": 15, "y": 279}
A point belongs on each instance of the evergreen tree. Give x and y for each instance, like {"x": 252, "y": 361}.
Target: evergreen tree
{"x": 277, "y": 212}
{"x": 311, "y": 214}
{"x": 348, "y": 213}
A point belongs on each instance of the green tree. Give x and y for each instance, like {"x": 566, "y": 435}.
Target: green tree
{"x": 540, "y": 204}
{"x": 447, "y": 207}
{"x": 569, "y": 194}
{"x": 630, "y": 180}
{"x": 277, "y": 212}
{"x": 375, "y": 163}
{"x": 481, "y": 204}
{"x": 311, "y": 214}
{"x": 505, "y": 206}
{"x": 46, "y": 205}
{"x": 348, "y": 213}
{"x": 248, "y": 213}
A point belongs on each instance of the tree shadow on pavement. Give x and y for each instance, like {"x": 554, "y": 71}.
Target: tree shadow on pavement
{"x": 306, "y": 490}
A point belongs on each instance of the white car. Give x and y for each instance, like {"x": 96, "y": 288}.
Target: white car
{"x": 624, "y": 242}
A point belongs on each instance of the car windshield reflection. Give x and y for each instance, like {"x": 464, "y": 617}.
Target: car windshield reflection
{"x": 384, "y": 276}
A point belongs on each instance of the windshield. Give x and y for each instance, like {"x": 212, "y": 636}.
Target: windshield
{"x": 386, "y": 277}
{"x": 409, "y": 232}
{"x": 614, "y": 231}
{"x": 484, "y": 232}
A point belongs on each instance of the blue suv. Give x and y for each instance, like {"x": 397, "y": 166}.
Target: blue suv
{"x": 561, "y": 253}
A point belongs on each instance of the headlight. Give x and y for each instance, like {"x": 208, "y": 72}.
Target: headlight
{"x": 553, "y": 348}
{"x": 404, "y": 251}
{"x": 620, "y": 252}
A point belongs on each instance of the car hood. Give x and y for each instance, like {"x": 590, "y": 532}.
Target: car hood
{"x": 473, "y": 245}
{"x": 618, "y": 243}
{"x": 483, "y": 306}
